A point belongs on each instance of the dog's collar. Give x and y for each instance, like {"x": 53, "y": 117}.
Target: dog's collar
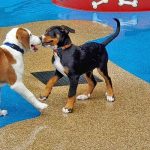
{"x": 61, "y": 49}
{"x": 14, "y": 46}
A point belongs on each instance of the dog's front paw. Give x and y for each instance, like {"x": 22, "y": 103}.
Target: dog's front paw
{"x": 44, "y": 106}
{"x": 41, "y": 106}
{"x": 110, "y": 98}
{"x": 67, "y": 110}
{"x": 83, "y": 97}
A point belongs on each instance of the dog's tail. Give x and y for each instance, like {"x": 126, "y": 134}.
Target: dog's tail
{"x": 114, "y": 35}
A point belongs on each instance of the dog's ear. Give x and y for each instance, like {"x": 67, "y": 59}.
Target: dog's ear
{"x": 51, "y": 28}
{"x": 23, "y": 37}
{"x": 67, "y": 29}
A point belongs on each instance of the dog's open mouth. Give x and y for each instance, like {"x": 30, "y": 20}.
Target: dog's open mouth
{"x": 34, "y": 48}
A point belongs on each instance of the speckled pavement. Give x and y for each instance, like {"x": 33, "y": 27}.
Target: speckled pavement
{"x": 95, "y": 123}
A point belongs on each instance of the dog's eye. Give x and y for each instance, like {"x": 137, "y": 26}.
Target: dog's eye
{"x": 30, "y": 34}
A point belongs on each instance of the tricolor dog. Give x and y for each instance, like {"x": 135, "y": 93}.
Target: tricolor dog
{"x": 17, "y": 42}
{"x": 78, "y": 60}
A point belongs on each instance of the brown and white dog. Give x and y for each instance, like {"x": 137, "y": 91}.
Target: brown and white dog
{"x": 18, "y": 41}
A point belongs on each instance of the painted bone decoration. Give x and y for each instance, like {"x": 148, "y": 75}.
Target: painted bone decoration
{"x": 96, "y": 4}
{"x": 133, "y": 3}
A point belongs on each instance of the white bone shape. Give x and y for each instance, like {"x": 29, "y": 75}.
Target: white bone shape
{"x": 133, "y": 3}
{"x": 96, "y": 4}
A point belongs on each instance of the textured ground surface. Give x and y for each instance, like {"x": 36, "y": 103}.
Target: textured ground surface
{"x": 95, "y": 123}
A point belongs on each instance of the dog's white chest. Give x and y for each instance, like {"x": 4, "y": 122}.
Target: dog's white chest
{"x": 58, "y": 65}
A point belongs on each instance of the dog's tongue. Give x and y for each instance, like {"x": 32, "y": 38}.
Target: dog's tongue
{"x": 34, "y": 47}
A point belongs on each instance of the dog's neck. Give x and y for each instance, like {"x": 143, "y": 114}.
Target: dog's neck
{"x": 11, "y": 38}
{"x": 59, "y": 51}
{"x": 15, "y": 47}
{"x": 64, "y": 41}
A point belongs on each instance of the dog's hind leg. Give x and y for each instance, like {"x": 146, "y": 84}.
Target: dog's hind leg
{"x": 104, "y": 73}
{"x": 44, "y": 95}
{"x": 91, "y": 85}
{"x": 71, "y": 95}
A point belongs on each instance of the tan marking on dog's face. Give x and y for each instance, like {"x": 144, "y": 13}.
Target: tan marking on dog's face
{"x": 23, "y": 37}
{"x": 7, "y": 73}
{"x": 48, "y": 40}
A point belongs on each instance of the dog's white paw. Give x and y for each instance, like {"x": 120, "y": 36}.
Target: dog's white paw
{"x": 110, "y": 98}
{"x": 44, "y": 106}
{"x": 41, "y": 106}
{"x": 83, "y": 97}
{"x": 3, "y": 112}
{"x": 67, "y": 110}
